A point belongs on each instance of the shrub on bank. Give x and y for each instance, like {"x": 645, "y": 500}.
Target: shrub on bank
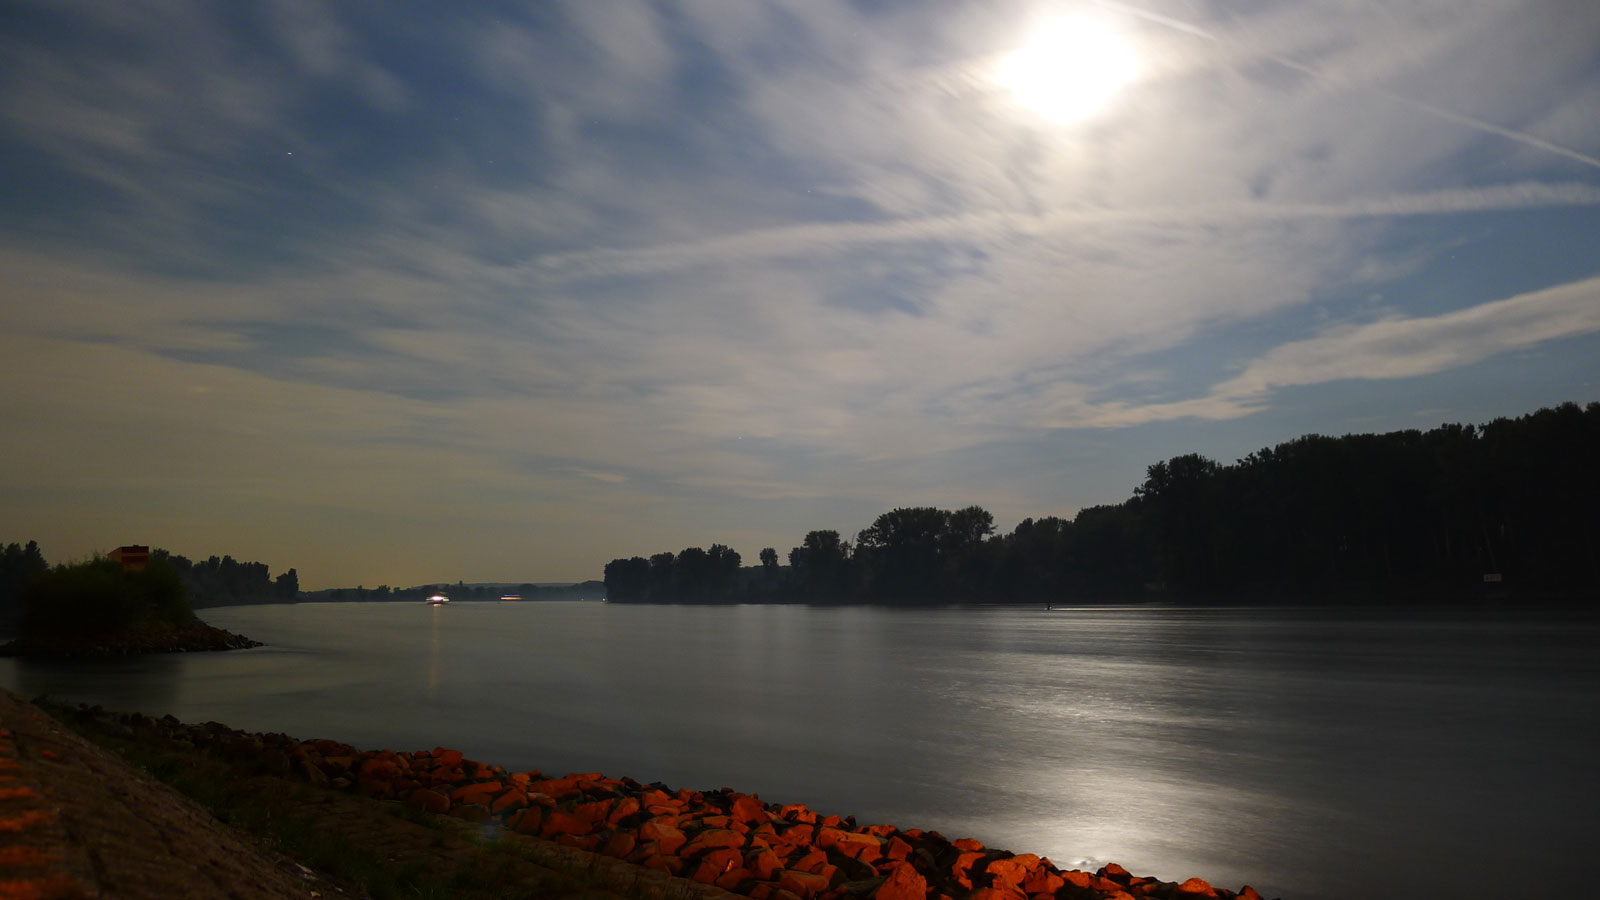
{"x": 97, "y": 598}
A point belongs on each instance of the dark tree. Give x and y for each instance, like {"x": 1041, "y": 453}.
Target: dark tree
{"x": 288, "y": 585}
{"x": 819, "y": 569}
{"x": 20, "y": 566}
{"x": 901, "y": 554}
{"x": 98, "y": 598}
{"x": 628, "y": 580}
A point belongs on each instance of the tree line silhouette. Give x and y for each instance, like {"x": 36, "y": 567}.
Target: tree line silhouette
{"x": 583, "y": 590}
{"x": 227, "y": 582}
{"x": 1507, "y": 510}
{"x": 215, "y": 581}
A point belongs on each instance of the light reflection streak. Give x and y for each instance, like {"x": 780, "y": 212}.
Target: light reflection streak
{"x": 433, "y": 657}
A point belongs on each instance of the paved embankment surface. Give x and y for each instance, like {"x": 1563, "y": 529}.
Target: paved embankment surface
{"x": 76, "y": 821}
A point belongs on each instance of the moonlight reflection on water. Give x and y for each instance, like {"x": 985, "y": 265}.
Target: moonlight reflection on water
{"x": 1266, "y": 747}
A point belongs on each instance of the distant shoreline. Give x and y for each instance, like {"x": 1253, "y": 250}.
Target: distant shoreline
{"x": 197, "y": 638}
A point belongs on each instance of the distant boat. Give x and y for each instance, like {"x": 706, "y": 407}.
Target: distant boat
{"x": 510, "y": 597}
{"x": 438, "y": 600}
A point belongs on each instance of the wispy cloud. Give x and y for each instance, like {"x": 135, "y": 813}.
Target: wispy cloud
{"x": 1392, "y": 348}
{"x": 987, "y": 228}
{"x": 1406, "y": 347}
{"x": 651, "y": 263}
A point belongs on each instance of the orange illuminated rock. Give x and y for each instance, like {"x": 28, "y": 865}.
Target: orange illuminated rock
{"x": 796, "y": 812}
{"x": 562, "y": 822}
{"x": 810, "y": 862}
{"x": 733, "y": 878}
{"x": 1195, "y": 887}
{"x": 555, "y": 787}
{"x": 33, "y": 818}
{"x": 1114, "y": 871}
{"x": 620, "y": 844}
{"x": 996, "y": 893}
{"x": 477, "y": 793}
{"x": 803, "y": 884}
{"x": 667, "y": 837}
{"x": 904, "y": 883}
{"x": 748, "y": 809}
{"x": 865, "y": 847}
{"x": 797, "y": 836}
{"x": 625, "y": 807}
{"x": 445, "y": 757}
{"x": 1249, "y": 893}
{"x": 1077, "y": 879}
{"x": 594, "y": 813}
{"x": 897, "y": 849}
{"x": 27, "y": 858}
{"x": 431, "y": 801}
{"x": 764, "y": 863}
{"x": 706, "y": 872}
{"x": 969, "y": 844}
{"x": 1043, "y": 881}
{"x": 1009, "y": 873}
{"x": 378, "y": 770}
{"x": 512, "y": 799}
{"x": 724, "y": 858}
{"x": 526, "y": 821}
{"x": 962, "y": 870}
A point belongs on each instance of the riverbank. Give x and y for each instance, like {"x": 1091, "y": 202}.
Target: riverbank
{"x": 100, "y": 809}
{"x": 722, "y": 840}
{"x": 196, "y": 638}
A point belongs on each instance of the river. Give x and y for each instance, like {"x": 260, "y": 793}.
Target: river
{"x": 1312, "y": 754}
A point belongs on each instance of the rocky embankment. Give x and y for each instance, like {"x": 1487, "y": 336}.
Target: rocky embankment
{"x": 190, "y": 639}
{"x": 735, "y": 841}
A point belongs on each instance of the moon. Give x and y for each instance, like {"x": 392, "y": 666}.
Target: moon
{"x": 1068, "y": 70}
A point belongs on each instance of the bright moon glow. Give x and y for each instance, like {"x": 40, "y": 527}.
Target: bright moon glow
{"x": 1069, "y": 69}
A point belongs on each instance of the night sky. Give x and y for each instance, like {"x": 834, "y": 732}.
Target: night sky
{"x": 410, "y": 292}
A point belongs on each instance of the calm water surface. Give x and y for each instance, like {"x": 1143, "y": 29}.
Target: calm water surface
{"x": 1314, "y": 755}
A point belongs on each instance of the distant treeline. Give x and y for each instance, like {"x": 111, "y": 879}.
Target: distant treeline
{"x": 1507, "y": 509}
{"x": 586, "y": 590}
{"x": 213, "y": 582}
{"x": 227, "y": 582}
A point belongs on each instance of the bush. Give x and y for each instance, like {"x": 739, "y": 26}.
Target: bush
{"x": 97, "y": 598}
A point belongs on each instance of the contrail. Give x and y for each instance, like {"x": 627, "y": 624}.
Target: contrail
{"x": 1425, "y": 108}
{"x": 1520, "y": 137}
